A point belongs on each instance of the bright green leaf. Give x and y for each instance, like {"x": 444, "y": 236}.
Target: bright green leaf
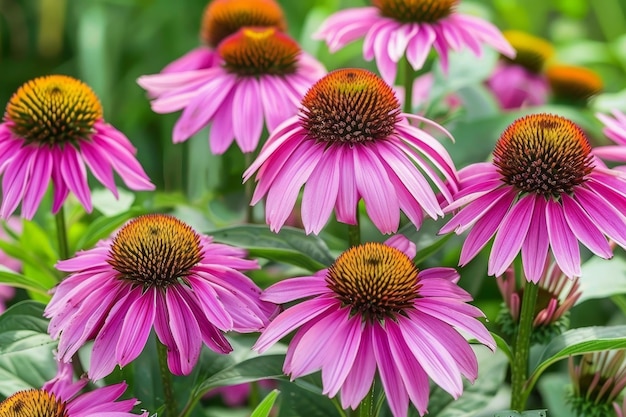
{"x": 265, "y": 406}
{"x": 602, "y": 278}
{"x": 102, "y": 227}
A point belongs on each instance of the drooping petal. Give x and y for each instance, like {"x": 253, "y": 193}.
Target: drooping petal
{"x": 562, "y": 240}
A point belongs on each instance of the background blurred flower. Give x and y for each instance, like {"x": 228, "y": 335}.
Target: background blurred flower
{"x": 614, "y": 129}
{"x": 7, "y": 292}
{"x": 52, "y": 128}
{"x": 543, "y": 190}
{"x": 520, "y": 81}
{"x": 238, "y": 395}
{"x": 572, "y": 84}
{"x": 394, "y": 27}
{"x": 350, "y": 141}
{"x": 156, "y": 272}
{"x": 262, "y": 76}
{"x": 374, "y": 310}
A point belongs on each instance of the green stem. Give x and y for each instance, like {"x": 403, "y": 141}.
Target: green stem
{"x": 64, "y": 251}
{"x": 367, "y": 408}
{"x": 166, "y": 379}
{"x": 519, "y": 367}
{"x": 409, "y": 78}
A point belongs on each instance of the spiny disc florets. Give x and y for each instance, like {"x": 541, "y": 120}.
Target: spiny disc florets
{"x": 33, "y": 403}
{"x": 415, "y": 11}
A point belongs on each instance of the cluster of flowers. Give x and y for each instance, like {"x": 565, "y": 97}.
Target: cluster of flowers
{"x": 341, "y": 137}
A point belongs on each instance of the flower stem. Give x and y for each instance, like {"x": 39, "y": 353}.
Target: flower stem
{"x": 409, "y": 78}
{"x": 354, "y": 231}
{"x": 166, "y": 379}
{"x": 367, "y": 407}
{"x": 64, "y": 251}
{"x": 249, "y": 189}
{"x": 519, "y": 367}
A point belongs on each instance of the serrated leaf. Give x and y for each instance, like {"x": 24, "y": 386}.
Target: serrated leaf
{"x": 290, "y": 245}
{"x": 265, "y": 406}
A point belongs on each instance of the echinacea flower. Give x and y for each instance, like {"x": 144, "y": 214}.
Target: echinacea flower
{"x": 351, "y": 141}
{"x": 374, "y": 310}
{"x": 573, "y": 84}
{"x": 614, "y": 129}
{"x": 557, "y": 295}
{"x": 261, "y": 77}
{"x": 53, "y": 130}
{"x": 598, "y": 380}
{"x": 61, "y": 397}
{"x": 520, "y": 81}
{"x": 156, "y": 272}
{"x": 221, "y": 19}
{"x": 393, "y": 28}
{"x": 544, "y": 189}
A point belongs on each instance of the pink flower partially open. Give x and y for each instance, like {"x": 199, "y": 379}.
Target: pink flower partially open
{"x": 156, "y": 272}
{"x": 374, "y": 310}
{"x": 260, "y": 79}
{"x": 351, "y": 141}
{"x": 393, "y": 28}
{"x": 53, "y": 130}
{"x": 543, "y": 190}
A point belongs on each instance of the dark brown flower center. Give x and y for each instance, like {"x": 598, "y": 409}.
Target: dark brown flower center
{"x": 544, "y": 154}
{"x": 417, "y": 11}
{"x": 532, "y": 52}
{"x": 350, "y": 106}
{"x": 572, "y": 83}
{"x": 257, "y": 51}
{"x": 155, "y": 250}
{"x": 54, "y": 109}
{"x": 374, "y": 280}
{"x": 222, "y": 18}
{"x": 33, "y": 403}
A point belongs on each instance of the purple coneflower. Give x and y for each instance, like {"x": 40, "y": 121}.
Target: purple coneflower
{"x": 156, "y": 272}
{"x": 544, "y": 189}
{"x": 614, "y": 129}
{"x": 350, "y": 141}
{"x": 374, "y": 310}
{"x": 393, "y": 27}
{"x": 262, "y": 76}
{"x": 520, "y": 81}
{"x": 221, "y": 19}
{"x": 52, "y": 128}
{"x": 61, "y": 397}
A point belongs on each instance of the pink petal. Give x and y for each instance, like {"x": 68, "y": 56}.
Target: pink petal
{"x": 584, "y": 228}
{"x": 75, "y": 175}
{"x": 535, "y": 247}
{"x": 359, "y": 380}
{"x": 184, "y": 328}
{"x": 135, "y": 332}
{"x": 320, "y": 192}
{"x": 38, "y": 184}
{"x": 393, "y": 384}
{"x": 562, "y": 240}
{"x": 246, "y": 105}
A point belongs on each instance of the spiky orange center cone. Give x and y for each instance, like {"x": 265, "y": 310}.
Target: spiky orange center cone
{"x": 544, "y": 154}
{"x": 222, "y": 18}
{"x": 350, "y": 106}
{"x": 573, "y": 83}
{"x": 33, "y": 403}
{"x": 155, "y": 250}
{"x": 54, "y": 109}
{"x": 532, "y": 52}
{"x": 374, "y": 280}
{"x": 258, "y": 51}
{"x": 418, "y": 11}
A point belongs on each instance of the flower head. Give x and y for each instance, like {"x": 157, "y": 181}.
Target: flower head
{"x": 519, "y": 81}
{"x": 614, "y": 129}
{"x": 61, "y": 397}
{"x": 261, "y": 77}
{"x": 53, "y": 129}
{"x": 597, "y": 382}
{"x": 157, "y": 271}
{"x": 543, "y": 190}
{"x": 573, "y": 84}
{"x": 557, "y": 295}
{"x": 394, "y": 27}
{"x": 374, "y": 310}
{"x": 351, "y": 141}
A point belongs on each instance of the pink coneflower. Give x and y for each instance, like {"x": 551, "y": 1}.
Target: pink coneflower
{"x": 350, "y": 141}
{"x": 156, "y": 272}
{"x": 598, "y": 380}
{"x": 557, "y": 295}
{"x": 221, "y": 19}
{"x": 614, "y": 129}
{"x": 393, "y": 27}
{"x": 262, "y": 76}
{"x": 61, "y": 397}
{"x": 52, "y": 128}
{"x": 520, "y": 81}
{"x": 543, "y": 190}
{"x": 374, "y": 310}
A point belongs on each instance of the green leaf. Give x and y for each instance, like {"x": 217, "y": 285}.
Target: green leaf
{"x": 253, "y": 369}
{"x": 426, "y": 239}
{"x": 503, "y": 346}
{"x": 102, "y": 227}
{"x": 290, "y": 245}
{"x": 602, "y": 278}
{"x": 26, "y": 359}
{"x": 22, "y": 281}
{"x": 265, "y": 406}
{"x": 578, "y": 342}
{"x": 297, "y": 401}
